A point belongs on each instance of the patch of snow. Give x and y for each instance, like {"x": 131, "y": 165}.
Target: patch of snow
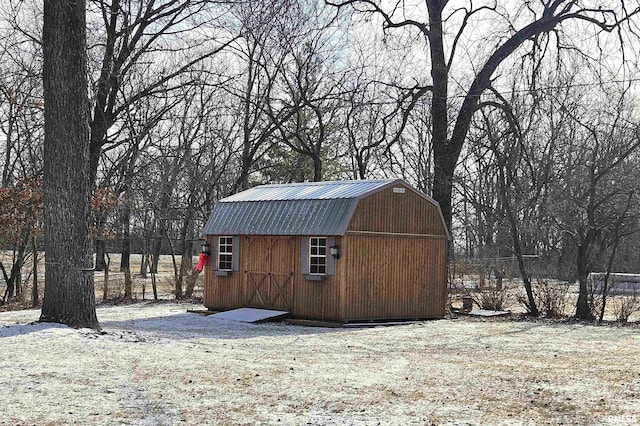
{"x": 156, "y": 364}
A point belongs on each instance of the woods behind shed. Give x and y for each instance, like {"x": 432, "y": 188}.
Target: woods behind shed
{"x": 343, "y": 251}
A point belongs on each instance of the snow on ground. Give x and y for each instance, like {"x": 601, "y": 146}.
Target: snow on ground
{"x": 155, "y": 364}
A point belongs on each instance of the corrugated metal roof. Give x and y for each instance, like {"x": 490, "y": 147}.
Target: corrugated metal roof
{"x": 310, "y": 191}
{"x": 309, "y": 208}
{"x": 281, "y": 217}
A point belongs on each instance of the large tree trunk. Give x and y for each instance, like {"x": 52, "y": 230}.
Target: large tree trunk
{"x": 69, "y": 296}
{"x": 444, "y": 164}
{"x": 146, "y": 242}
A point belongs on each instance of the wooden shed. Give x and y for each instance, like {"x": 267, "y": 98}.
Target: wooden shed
{"x": 342, "y": 251}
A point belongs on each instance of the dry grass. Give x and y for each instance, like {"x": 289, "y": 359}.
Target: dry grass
{"x": 155, "y": 364}
{"x": 142, "y": 287}
{"x": 467, "y": 280}
{"x": 558, "y": 297}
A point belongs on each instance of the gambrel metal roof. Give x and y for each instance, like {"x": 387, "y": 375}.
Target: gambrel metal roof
{"x": 311, "y": 190}
{"x": 309, "y": 208}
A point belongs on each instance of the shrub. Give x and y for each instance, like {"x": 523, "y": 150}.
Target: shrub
{"x": 625, "y": 306}
{"x": 492, "y": 299}
{"x": 551, "y": 298}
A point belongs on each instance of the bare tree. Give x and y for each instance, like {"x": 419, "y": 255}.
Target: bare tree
{"x": 375, "y": 117}
{"x": 309, "y": 85}
{"x": 515, "y": 195}
{"x": 20, "y": 120}
{"x": 134, "y": 30}
{"x": 130, "y": 38}
{"x": 260, "y": 53}
{"x": 595, "y": 188}
{"x": 444, "y": 26}
{"x": 21, "y": 132}
{"x": 120, "y": 166}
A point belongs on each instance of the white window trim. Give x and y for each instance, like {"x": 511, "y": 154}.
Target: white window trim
{"x": 220, "y": 252}
{"x": 318, "y": 255}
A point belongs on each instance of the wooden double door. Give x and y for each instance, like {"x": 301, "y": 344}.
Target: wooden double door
{"x": 269, "y": 272}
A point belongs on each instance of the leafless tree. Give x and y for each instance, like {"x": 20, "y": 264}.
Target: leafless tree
{"x": 596, "y": 185}
{"x": 445, "y": 27}
{"x": 267, "y": 33}
{"x": 144, "y": 49}
{"x": 22, "y": 133}
{"x": 310, "y": 82}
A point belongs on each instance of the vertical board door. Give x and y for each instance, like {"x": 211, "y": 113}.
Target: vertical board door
{"x": 268, "y": 275}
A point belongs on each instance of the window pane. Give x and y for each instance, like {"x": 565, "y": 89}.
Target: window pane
{"x": 317, "y": 255}
{"x": 225, "y": 253}
{"x": 317, "y": 269}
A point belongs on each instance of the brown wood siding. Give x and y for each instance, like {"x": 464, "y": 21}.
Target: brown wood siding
{"x": 221, "y": 293}
{"x": 309, "y": 299}
{"x": 399, "y": 277}
{"x": 387, "y": 211}
{"x": 268, "y": 271}
{"x": 317, "y": 299}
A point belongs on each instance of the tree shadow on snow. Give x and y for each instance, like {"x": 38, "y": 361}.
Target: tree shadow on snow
{"x": 189, "y": 325}
{"x": 13, "y": 330}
